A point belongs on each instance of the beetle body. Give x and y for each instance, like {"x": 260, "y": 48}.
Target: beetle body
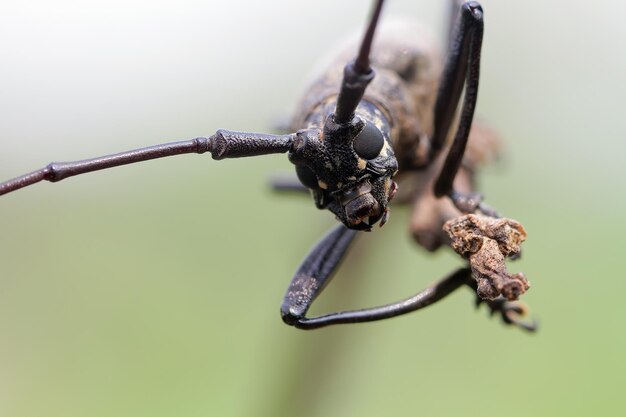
{"x": 387, "y": 115}
{"x": 400, "y": 102}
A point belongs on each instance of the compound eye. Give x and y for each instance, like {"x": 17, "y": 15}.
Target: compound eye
{"x": 368, "y": 142}
{"x": 306, "y": 176}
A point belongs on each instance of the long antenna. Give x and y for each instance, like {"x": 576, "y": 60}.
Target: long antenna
{"x": 357, "y": 74}
{"x": 223, "y": 144}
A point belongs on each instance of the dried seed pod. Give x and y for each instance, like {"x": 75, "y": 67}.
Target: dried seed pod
{"x": 485, "y": 242}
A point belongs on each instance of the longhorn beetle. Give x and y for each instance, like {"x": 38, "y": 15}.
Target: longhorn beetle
{"x": 383, "y": 117}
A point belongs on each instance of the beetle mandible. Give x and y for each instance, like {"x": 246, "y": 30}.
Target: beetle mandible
{"x": 385, "y": 112}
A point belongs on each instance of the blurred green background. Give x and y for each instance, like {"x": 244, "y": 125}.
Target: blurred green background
{"x": 154, "y": 289}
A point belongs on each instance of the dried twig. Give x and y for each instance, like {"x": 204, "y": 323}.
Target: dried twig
{"x": 485, "y": 242}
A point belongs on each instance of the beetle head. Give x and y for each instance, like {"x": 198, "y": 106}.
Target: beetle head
{"x": 349, "y": 169}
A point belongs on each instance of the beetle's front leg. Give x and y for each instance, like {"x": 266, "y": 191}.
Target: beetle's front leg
{"x": 462, "y": 68}
{"x": 511, "y": 312}
{"x": 313, "y": 275}
{"x": 318, "y": 267}
{"x": 283, "y": 183}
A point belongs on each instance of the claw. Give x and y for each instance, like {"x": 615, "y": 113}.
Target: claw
{"x": 466, "y": 202}
{"x": 471, "y": 203}
{"x": 488, "y": 211}
{"x": 512, "y": 313}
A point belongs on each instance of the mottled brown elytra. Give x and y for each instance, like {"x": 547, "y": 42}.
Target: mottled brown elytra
{"x": 382, "y": 114}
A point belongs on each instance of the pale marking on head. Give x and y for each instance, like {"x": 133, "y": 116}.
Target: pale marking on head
{"x": 322, "y": 185}
{"x": 385, "y": 151}
{"x": 387, "y": 185}
{"x": 362, "y": 164}
{"x": 379, "y": 124}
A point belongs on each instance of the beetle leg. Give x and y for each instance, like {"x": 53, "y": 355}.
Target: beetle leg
{"x": 283, "y": 183}
{"x": 453, "y": 11}
{"x": 462, "y": 68}
{"x": 304, "y": 288}
{"x": 511, "y": 312}
{"x": 321, "y": 262}
{"x": 313, "y": 275}
{"x": 423, "y": 299}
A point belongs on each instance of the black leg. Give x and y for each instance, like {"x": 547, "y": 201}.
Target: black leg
{"x": 423, "y": 299}
{"x": 318, "y": 266}
{"x": 462, "y": 67}
{"x": 511, "y": 312}
{"x": 282, "y": 183}
{"x": 453, "y": 12}
{"x": 314, "y": 273}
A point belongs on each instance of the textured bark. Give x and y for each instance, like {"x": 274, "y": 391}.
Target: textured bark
{"x": 486, "y": 242}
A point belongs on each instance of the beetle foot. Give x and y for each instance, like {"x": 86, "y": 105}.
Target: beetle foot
{"x": 469, "y": 202}
{"x": 466, "y": 202}
{"x": 511, "y": 312}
